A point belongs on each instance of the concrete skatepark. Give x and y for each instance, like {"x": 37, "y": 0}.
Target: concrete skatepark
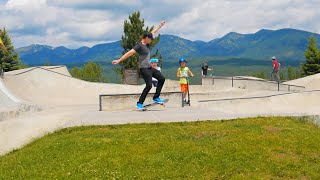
{"x": 39, "y": 100}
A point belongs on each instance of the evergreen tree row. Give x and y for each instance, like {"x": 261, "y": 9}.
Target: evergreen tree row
{"x": 312, "y": 55}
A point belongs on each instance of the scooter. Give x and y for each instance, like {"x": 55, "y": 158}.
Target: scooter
{"x": 188, "y": 101}
{"x": 188, "y": 92}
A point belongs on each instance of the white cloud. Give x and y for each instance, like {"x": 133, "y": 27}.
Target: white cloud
{"x": 22, "y": 4}
{"x": 213, "y": 19}
{"x": 75, "y": 23}
{"x": 73, "y": 3}
{"x": 55, "y": 26}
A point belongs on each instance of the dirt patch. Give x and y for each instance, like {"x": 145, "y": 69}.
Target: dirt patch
{"x": 281, "y": 156}
{"x": 106, "y": 140}
{"x": 94, "y": 139}
{"x": 214, "y": 133}
{"x": 272, "y": 129}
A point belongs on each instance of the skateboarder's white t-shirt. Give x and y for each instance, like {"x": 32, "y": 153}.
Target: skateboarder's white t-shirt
{"x": 159, "y": 69}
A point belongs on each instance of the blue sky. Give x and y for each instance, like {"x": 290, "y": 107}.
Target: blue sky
{"x": 75, "y": 23}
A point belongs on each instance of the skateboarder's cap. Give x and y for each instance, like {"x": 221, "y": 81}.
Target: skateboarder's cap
{"x": 148, "y": 34}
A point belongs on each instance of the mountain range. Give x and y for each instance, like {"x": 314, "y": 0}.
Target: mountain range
{"x": 286, "y": 44}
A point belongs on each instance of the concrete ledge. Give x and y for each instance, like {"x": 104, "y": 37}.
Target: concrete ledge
{"x": 112, "y": 102}
{"x": 207, "y": 81}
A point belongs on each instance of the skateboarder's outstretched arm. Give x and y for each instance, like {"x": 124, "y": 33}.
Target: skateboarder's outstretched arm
{"x": 157, "y": 28}
{"x": 125, "y": 56}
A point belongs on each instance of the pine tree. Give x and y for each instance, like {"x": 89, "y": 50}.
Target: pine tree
{"x": 282, "y": 75}
{"x": 261, "y": 75}
{"x": 298, "y": 73}
{"x": 291, "y": 73}
{"x": 312, "y": 55}
{"x": 133, "y": 30}
{"x": 90, "y": 72}
{"x": 9, "y": 60}
{"x": 76, "y": 72}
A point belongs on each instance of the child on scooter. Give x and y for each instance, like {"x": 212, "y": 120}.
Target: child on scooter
{"x": 183, "y": 73}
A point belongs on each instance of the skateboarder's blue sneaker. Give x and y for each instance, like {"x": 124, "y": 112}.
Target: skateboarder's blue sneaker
{"x": 140, "y": 106}
{"x": 158, "y": 100}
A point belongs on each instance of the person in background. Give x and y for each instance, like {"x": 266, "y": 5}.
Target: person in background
{"x": 276, "y": 68}
{"x": 204, "y": 70}
{"x": 154, "y": 63}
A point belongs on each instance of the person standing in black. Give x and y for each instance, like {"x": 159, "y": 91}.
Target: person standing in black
{"x": 146, "y": 70}
{"x": 204, "y": 69}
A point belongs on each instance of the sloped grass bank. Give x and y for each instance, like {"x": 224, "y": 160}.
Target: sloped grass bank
{"x": 270, "y": 147}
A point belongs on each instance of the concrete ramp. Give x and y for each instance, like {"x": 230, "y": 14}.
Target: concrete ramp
{"x": 53, "y": 85}
{"x": 6, "y": 97}
{"x": 304, "y": 80}
{"x": 11, "y": 106}
{"x": 311, "y": 82}
{"x": 59, "y": 69}
{"x": 63, "y": 70}
{"x": 306, "y": 102}
{"x": 48, "y": 86}
{"x": 7, "y": 103}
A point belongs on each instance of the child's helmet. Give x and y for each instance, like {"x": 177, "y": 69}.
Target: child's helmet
{"x": 182, "y": 59}
{"x": 154, "y": 60}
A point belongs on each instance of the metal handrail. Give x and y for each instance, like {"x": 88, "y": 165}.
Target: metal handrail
{"x": 258, "y": 97}
{"x": 233, "y": 78}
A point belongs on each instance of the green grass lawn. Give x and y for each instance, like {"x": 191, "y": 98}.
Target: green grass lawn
{"x": 257, "y": 148}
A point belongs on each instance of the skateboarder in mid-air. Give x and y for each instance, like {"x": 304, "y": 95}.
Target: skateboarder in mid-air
{"x": 146, "y": 70}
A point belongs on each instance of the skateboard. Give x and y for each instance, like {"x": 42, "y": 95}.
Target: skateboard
{"x": 154, "y": 104}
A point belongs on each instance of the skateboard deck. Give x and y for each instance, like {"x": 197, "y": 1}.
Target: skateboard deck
{"x": 154, "y": 104}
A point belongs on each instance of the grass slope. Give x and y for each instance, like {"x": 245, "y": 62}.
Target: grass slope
{"x": 276, "y": 147}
